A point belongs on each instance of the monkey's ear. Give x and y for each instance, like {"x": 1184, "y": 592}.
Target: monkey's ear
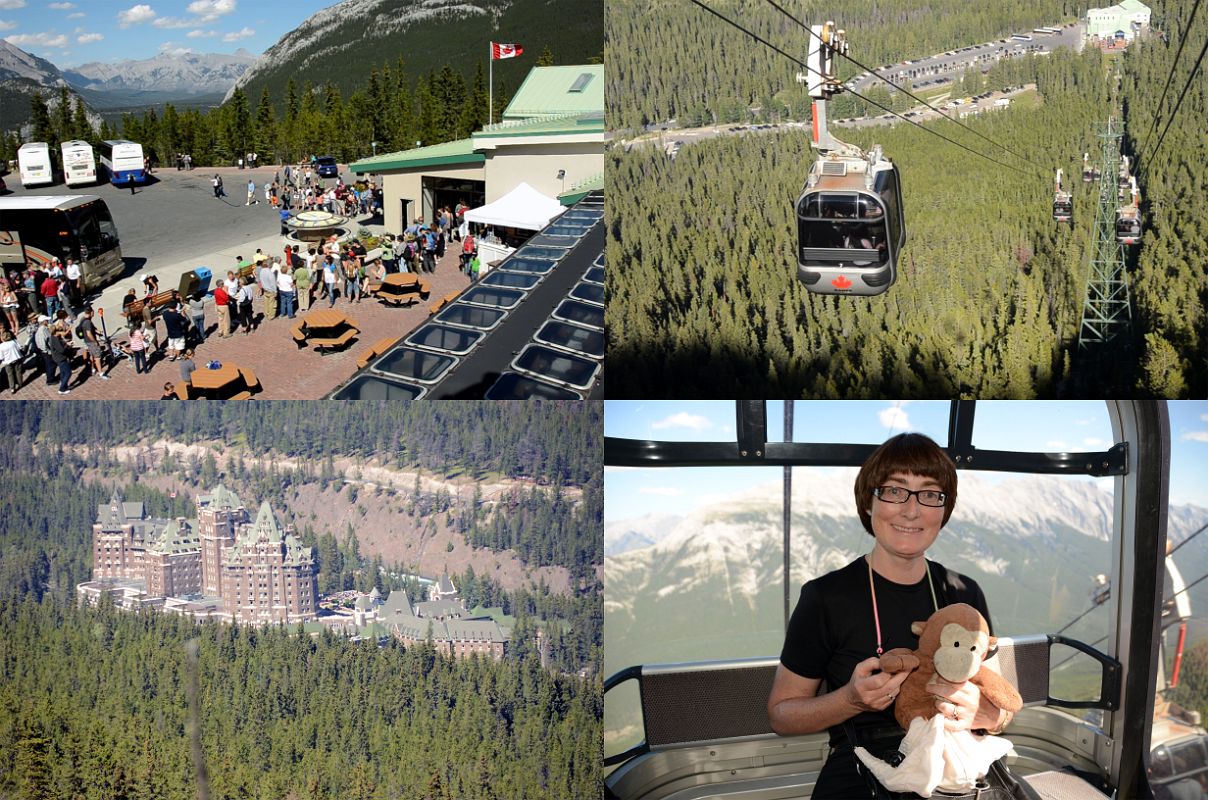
{"x": 917, "y": 628}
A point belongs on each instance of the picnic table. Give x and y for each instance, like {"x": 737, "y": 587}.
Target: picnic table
{"x": 228, "y": 382}
{"x": 400, "y": 287}
{"x": 325, "y": 329}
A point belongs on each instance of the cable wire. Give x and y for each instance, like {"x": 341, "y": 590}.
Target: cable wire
{"x": 1158, "y": 109}
{"x": 1190, "y": 79}
{"x": 802, "y": 64}
{"x": 905, "y": 91}
{"x": 1175, "y": 549}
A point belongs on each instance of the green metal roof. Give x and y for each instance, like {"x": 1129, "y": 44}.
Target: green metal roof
{"x": 547, "y": 90}
{"x": 456, "y": 152}
{"x": 580, "y": 190}
{"x": 548, "y": 125}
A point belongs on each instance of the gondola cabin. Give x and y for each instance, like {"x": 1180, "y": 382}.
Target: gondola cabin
{"x": 1128, "y": 225}
{"x": 1063, "y": 207}
{"x": 849, "y": 225}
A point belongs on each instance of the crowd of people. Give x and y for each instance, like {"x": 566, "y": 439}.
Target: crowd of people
{"x": 66, "y": 340}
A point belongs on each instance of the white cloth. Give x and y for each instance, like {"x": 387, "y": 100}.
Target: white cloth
{"x": 936, "y": 759}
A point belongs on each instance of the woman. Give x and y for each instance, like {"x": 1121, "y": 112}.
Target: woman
{"x": 137, "y": 347}
{"x": 10, "y": 305}
{"x": 904, "y": 493}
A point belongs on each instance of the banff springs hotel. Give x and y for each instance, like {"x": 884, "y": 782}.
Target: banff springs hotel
{"x": 228, "y": 566}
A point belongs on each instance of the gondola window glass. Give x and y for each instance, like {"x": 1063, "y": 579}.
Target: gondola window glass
{"x": 691, "y": 567}
{"x": 859, "y": 421}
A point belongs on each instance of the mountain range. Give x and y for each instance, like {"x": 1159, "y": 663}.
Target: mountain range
{"x": 339, "y": 44}
{"x": 21, "y": 75}
{"x": 712, "y": 586}
{"x": 179, "y": 73}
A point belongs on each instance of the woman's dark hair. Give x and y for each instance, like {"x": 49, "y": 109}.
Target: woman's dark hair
{"x": 912, "y": 453}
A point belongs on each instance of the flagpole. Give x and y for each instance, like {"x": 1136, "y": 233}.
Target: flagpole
{"x": 491, "y": 70}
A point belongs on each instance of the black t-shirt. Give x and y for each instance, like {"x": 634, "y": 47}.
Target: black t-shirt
{"x": 832, "y": 627}
{"x": 175, "y": 324}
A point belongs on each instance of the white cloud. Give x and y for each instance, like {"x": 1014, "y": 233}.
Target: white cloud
{"x": 1194, "y": 436}
{"x": 683, "y": 420}
{"x": 210, "y": 10}
{"x": 90, "y": 37}
{"x": 61, "y": 6}
{"x": 135, "y": 14}
{"x": 200, "y": 33}
{"x": 11, "y": 4}
{"x": 1092, "y": 441}
{"x": 1056, "y": 445}
{"x": 662, "y": 491}
{"x": 173, "y": 22}
{"x": 237, "y": 35}
{"x": 172, "y": 49}
{"x": 77, "y": 15}
{"x": 7, "y": 25}
{"x": 894, "y": 418}
{"x": 38, "y": 39}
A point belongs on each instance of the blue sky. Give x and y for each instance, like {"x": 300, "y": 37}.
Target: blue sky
{"x": 72, "y": 32}
{"x": 1048, "y": 426}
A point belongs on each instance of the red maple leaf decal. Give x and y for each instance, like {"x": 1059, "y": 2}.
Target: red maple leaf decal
{"x": 841, "y": 283}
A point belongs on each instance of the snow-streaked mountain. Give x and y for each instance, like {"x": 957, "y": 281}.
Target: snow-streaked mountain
{"x": 713, "y": 587}
{"x": 15, "y": 64}
{"x": 633, "y": 534}
{"x": 185, "y": 72}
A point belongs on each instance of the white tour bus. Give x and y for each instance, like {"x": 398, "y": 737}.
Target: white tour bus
{"x": 123, "y": 161}
{"x": 33, "y": 162}
{"x": 79, "y": 164}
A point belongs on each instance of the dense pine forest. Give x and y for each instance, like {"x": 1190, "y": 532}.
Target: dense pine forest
{"x": 989, "y": 294}
{"x": 96, "y": 701}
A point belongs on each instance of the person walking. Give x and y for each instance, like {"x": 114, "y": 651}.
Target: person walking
{"x": 216, "y": 182}
{"x": 57, "y": 345}
{"x": 352, "y": 279}
{"x": 430, "y": 249}
{"x": 388, "y": 253}
{"x": 11, "y": 306}
{"x": 251, "y": 193}
{"x": 177, "y": 329}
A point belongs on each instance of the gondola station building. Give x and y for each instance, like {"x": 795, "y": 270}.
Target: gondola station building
{"x": 222, "y": 564}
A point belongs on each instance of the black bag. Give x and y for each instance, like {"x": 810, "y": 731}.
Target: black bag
{"x": 998, "y": 784}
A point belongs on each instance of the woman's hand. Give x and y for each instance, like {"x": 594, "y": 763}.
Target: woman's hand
{"x": 868, "y": 692}
{"x": 962, "y": 706}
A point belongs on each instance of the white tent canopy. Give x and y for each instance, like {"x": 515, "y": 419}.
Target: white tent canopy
{"x": 523, "y": 207}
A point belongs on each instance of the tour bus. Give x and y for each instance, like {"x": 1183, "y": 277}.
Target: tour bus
{"x": 1046, "y": 31}
{"x": 122, "y": 161}
{"x": 1062, "y": 518}
{"x": 34, "y": 229}
{"x": 79, "y": 164}
{"x": 33, "y": 162}
{"x": 1020, "y": 37}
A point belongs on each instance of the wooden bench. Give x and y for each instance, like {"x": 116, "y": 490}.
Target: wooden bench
{"x": 376, "y": 349}
{"x": 247, "y": 274}
{"x": 161, "y": 299}
{"x": 182, "y": 391}
{"x": 242, "y": 396}
{"x": 249, "y": 378}
{"x": 299, "y": 335}
{"x": 339, "y": 341}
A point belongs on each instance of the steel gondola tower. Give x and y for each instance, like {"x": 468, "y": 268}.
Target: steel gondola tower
{"x": 1106, "y": 312}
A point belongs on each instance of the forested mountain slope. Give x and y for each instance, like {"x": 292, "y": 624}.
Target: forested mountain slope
{"x": 1171, "y": 280}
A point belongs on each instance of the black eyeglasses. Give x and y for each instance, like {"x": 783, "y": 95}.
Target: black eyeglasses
{"x": 897, "y": 494}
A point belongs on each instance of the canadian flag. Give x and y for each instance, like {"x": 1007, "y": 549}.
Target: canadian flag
{"x": 499, "y": 51}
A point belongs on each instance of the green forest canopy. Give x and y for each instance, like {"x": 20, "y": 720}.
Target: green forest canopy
{"x": 990, "y": 294}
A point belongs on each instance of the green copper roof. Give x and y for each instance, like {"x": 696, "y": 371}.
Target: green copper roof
{"x": 266, "y": 525}
{"x": 221, "y": 497}
{"x": 177, "y": 537}
{"x": 580, "y": 190}
{"x": 547, "y": 90}
{"x": 547, "y": 125}
{"x": 457, "y": 152}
